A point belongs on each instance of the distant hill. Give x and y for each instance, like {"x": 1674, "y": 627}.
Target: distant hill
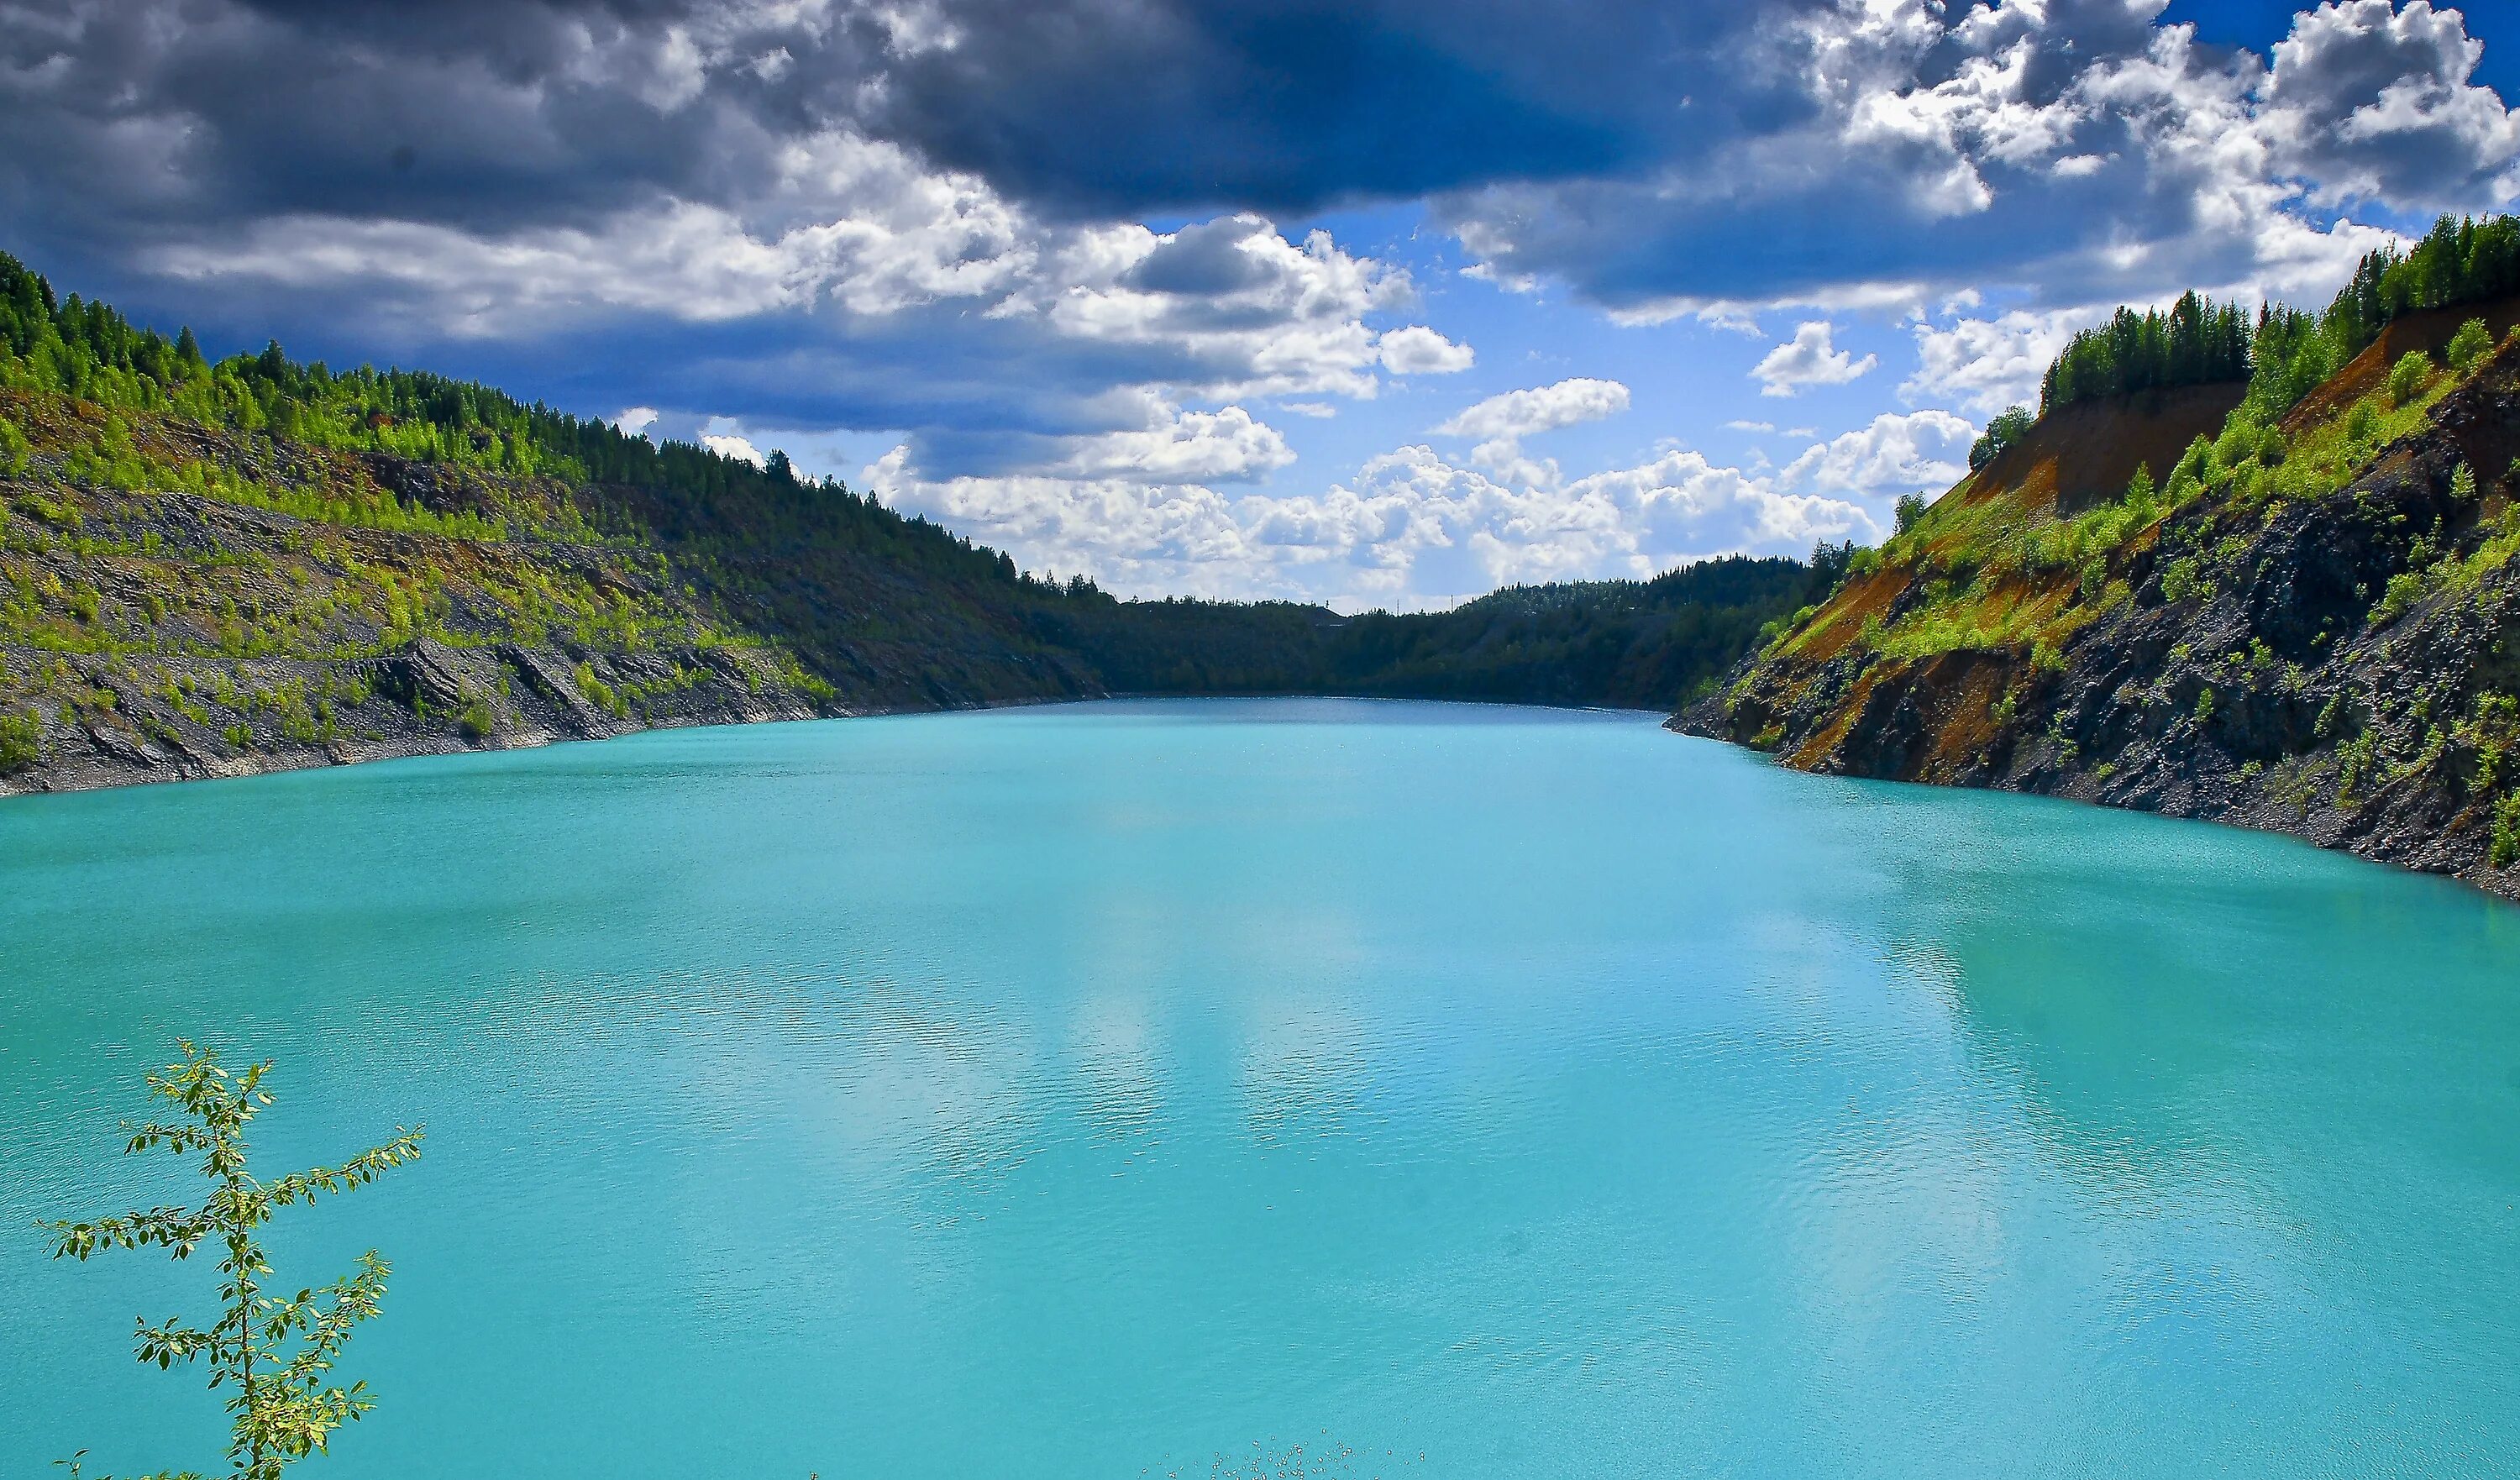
{"x": 2275, "y": 589}
{"x": 222, "y": 567}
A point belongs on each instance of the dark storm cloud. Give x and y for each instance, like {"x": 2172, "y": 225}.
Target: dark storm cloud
{"x": 934, "y": 366}
{"x": 1638, "y": 150}
{"x": 168, "y": 112}
{"x": 1118, "y": 107}
{"x": 154, "y": 115}
{"x": 689, "y": 179}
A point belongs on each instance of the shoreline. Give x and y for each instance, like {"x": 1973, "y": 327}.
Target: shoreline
{"x": 2502, "y": 885}
{"x": 113, "y": 764}
{"x": 129, "y": 766}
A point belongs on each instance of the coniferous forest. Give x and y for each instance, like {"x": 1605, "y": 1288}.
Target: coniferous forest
{"x": 2286, "y": 352}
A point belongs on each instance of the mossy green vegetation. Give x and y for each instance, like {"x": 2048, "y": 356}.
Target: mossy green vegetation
{"x": 2505, "y": 845}
{"x": 22, "y": 741}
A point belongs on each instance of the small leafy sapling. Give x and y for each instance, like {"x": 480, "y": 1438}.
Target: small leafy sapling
{"x": 2471, "y": 344}
{"x": 2410, "y": 376}
{"x": 275, "y": 1354}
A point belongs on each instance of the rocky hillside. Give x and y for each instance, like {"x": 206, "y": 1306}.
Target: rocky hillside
{"x": 219, "y": 568}
{"x": 2205, "y": 600}
{"x": 178, "y": 599}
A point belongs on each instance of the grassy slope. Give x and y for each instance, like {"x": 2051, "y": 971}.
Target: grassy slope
{"x": 2320, "y": 634}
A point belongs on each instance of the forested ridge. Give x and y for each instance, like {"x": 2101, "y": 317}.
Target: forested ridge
{"x": 220, "y": 566}
{"x": 2286, "y": 352}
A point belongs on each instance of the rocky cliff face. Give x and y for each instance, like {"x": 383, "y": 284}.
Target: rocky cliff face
{"x": 180, "y": 718}
{"x": 2319, "y": 635}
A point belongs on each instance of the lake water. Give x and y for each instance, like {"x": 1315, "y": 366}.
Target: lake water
{"x": 1145, "y": 1090}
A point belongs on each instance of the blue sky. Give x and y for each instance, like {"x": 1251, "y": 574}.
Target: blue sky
{"x": 1369, "y": 302}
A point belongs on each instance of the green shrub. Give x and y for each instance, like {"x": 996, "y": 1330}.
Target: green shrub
{"x": 57, "y": 516}
{"x": 2404, "y": 590}
{"x": 2182, "y": 578}
{"x": 2493, "y": 732}
{"x": 2504, "y": 850}
{"x": 2363, "y": 422}
{"x": 21, "y": 742}
{"x": 2462, "y": 483}
{"x": 2409, "y": 378}
{"x": 477, "y": 719}
{"x": 2095, "y": 578}
{"x": 2354, "y": 760}
{"x": 599, "y": 693}
{"x": 13, "y": 448}
{"x": 2471, "y": 344}
{"x": 2238, "y": 443}
{"x": 1907, "y": 511}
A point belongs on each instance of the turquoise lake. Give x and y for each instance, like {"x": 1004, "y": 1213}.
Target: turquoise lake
{"x": 1146, "y": 1089}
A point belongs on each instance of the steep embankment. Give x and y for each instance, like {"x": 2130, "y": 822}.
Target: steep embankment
{"x": 178, "y": 600}
{"x": 2313, "y": 626}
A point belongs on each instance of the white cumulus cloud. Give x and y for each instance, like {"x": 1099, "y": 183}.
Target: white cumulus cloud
{"x": 1502, "y": 422}
{"x": 1989, "y": 364}
{"x": 2077, "y": 152}
{"x": 1179, "y": 447}
{"x": 1411, "y": 526}
{"x": 2369, "y": 102}
{"x": 1809, "y": 358}
{"x": 1419, "y": 350}
{"x": 1518, "y": 414}
{"x": 1914, "y": 450}
{"x": 729, "y": 445}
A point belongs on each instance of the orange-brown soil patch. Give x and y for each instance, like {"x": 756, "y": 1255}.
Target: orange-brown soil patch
{"x": 2086, "y": 453}
{"x": 1966, "y": 688}
{"x": 2364, "y": 373}
{"x": 1825, "y": 741}
{"x": 1842, "y": 620}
